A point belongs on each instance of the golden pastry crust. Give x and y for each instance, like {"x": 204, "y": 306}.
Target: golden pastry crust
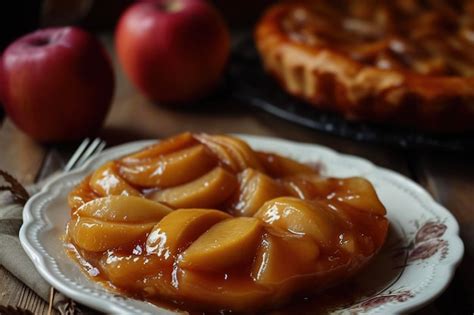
{"x": 397, "y": 63}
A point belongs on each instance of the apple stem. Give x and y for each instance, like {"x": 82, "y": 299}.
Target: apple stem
{"x": 170, "y": 6}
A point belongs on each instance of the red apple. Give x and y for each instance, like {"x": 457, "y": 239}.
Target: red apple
{"x": 56, "y": 83}
{"x": 173, "y": 50}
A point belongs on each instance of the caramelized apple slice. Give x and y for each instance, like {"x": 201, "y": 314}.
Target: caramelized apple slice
{"x": 231, "y": 151}
{"x": 140, "y": 273}
{"x": 255, "y": 188}
{"x": 221, "y": 152}
{"x": 363, "y": 223}
{"x": 171, "y": 169}
{"x": 282, "y": 258}
{"x": 359, "y": 193}
{"x": 240, "y": 151}
{"x": 279, "y": 166}
{"x": 309, "y": 187}
{"x": 166, "y": 146}
{"x": 301, "y": 217}
{"x": 349, "y": 243}
{"x": 126, "y": 209}
{"x": 106, "y": 181}
{"x": 354, "y": 191}
{"x": 127, "y": 271}
{"x": 221, "y": 293}
{"x": 81, "y": 194}
{"x": 228, "y": 243}
{"x": 207, "y": 191}
{"x": 97, "y": 236}
{"x": 161, "y": 285}
{"x": 179, "y": 229}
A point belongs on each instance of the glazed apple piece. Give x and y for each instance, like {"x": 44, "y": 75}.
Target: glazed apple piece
{"x": 278, "y": 166}
{"x": 160, "y": 285}
{"x": 242, "y": 153}
{"x": 81, "y": 194}
{"x": 114, "y": 221}
{"x": 220, "y": 152}
{"x": 216, "y": 292}
{"x": 146, "y": 274}
{"x": 309, "y": 186}
{"x": 128, "y": 271}
{"x": 301, "y": 217}
{"x": 226, "y": 244}
{"x": 364, "y": 232}
{"x": 255, "y": 188}
{"x": 206, "y": 191}
{"x": 283, "y": 257}
{"x": 106, "y": 181}
{"x": 349, "y": 243}
{"x": 96, "y": 236}
{"x": 165, "y": 146}
{"x": 235, "y": 153}
{"x": 363, "y": 223}
{"x": 171, "y": 169}
{"x": 179, "y": 229}
{"x": 125, "y": 209}
{"x": 357, "y": 192}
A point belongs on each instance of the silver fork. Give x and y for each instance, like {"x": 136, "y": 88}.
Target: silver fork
{"x": 84, "y": 152}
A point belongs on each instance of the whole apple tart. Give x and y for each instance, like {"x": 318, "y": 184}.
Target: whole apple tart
{"x": 207, "y": 223}
{"x": 403, "y": 62}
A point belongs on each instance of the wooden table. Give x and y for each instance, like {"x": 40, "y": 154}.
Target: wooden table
{"x": 448, "y": 177}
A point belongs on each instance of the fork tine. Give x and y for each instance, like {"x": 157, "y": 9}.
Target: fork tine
{"x": 97, "y": 150}
{"x": 90, "y": 150}
{"x": 101, "y": 147}
{"x": 75, "y": 157}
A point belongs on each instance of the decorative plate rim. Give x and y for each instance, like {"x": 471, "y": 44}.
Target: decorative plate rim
{"x": 34, "y": 223}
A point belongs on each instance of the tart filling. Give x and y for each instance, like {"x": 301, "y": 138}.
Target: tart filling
{"x": 207, "y": 223}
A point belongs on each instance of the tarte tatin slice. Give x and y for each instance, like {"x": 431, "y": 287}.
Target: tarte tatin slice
{"x": 398, "y": 62}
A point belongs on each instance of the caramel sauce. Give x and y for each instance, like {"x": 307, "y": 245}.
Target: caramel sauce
{"x": 302, "y": 233}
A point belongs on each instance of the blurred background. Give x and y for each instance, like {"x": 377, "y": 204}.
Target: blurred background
{"x": 98, "y": 15}
{"x": 20, "y": 17}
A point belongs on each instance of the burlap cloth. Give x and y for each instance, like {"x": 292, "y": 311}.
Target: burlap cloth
{"x": 15, "y": 260}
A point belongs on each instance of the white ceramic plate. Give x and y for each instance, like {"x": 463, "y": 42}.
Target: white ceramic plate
{"x": 415, "y": 265}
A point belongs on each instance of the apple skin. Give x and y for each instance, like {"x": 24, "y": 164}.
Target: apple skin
{"x": 174, "y": 51}
{"x": 56, "y": 84}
